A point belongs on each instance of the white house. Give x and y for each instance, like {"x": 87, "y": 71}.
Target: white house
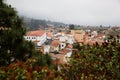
{"x": 37, "y": 36}
{"x": 55, "y": 45}
{"x": 67, "y": 38}
{"x": 70, "y": 39}
{"x": 94, "y": 33}
{"x": 62, "y": 38}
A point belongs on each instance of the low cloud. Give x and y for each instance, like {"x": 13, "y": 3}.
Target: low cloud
{"x": 83, "y": 12}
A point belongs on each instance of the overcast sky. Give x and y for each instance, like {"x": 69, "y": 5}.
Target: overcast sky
{"x": 83, "y": 12}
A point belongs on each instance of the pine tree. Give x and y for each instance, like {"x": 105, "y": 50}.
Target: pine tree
{"x": 11, "y": 34}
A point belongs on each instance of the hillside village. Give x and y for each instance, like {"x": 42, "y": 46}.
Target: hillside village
{"x": 58, "y": 42}
{"x": 33, "y": 49}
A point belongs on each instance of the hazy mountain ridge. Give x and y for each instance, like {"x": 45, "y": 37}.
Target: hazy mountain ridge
{"x": 39, "y": 23}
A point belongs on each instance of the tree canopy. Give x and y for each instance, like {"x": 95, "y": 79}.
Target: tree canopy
{"x": 11, "y": 33}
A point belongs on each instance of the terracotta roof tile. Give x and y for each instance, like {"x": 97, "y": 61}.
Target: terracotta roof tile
{"x": 99, "y": 35}
{"x": 65, "y": 51}
{"x": 36, "y": 33}
{"x": 59, "y": 57}
{"x": 55, "y": 43}
{"x": 49, "y": 34}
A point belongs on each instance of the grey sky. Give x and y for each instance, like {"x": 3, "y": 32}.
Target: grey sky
{"x": 83, "y": 12}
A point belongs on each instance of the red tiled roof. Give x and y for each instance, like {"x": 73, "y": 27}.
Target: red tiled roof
{"x": 55, "y": 43}
{"x": 49, "y": 34}
{"x": 91, "y": 42}
{"x": 60, "y": 58}
{"x": 65, "y": 51}
{"x": 99, "y": 35}
{"x": 36, "y": 33}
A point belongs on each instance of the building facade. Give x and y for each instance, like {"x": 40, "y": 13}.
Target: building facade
{"x": 38, "y": 37}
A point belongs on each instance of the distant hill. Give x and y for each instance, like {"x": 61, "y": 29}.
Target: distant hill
{"x": 37, "y": 23}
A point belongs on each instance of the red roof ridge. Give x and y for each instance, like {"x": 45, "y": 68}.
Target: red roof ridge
{"x": 36, "y": 33}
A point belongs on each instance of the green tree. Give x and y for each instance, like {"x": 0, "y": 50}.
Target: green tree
{"x": 76, "y": 46}
{"x": 71, "y": 26}
{"x": 42, "y": 60}
{"x": 11, "y": 34}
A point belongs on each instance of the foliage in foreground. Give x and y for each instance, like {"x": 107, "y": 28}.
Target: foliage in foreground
{"x": 24, "y": 71}
{"x": 36, "y": 68}
{"x": 90, "y": 63}
{"x": 94, "y": 63}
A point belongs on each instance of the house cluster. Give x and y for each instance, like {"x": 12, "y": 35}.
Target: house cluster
{"x": 95, "y": 37}
{"x": 60, "y": 45}
{"x": 88, "y": 37}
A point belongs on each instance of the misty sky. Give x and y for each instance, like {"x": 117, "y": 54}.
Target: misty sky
{"x": 83, "y": 12}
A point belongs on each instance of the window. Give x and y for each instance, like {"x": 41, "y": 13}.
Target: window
{"x": 33, "y": 37}
{"x": 27, "y": 37}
